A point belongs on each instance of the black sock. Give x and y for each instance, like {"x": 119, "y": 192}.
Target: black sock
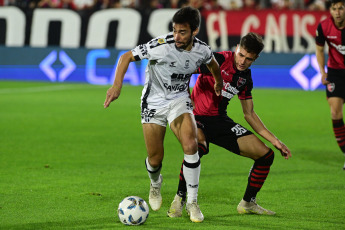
{"x": 258, "y": 175}
{"x": 339, "y": 133}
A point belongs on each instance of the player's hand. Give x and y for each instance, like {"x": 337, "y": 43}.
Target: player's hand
{"x": 284, "y": 150}
{"x": 218, "y": 86}
{"x": 324, "y": 79}
{"x": 112, "y": 94}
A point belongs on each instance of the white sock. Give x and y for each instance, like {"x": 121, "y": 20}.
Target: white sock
{"x": 153, "y": 173}
{"x": 191, "y": 172}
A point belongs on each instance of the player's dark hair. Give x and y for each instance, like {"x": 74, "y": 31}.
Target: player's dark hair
{"x": 252, "y": 43}
{"x": 188, "y": 15}
{"x": 329, "y": 3}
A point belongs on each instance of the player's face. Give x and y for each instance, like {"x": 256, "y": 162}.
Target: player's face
{"x": 243, "y": 59}
{"x": 337, "y": 11}
{"x": 183, "y": 36}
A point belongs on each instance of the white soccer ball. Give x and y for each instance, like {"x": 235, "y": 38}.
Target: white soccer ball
{"x": 133, "y": 210}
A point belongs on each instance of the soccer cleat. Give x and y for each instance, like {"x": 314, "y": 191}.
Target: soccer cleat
{"x": 155, "y": 198}
{"x": 176, "y": 207}
{"x": 252, "y": 207}
{"x": 194, "y": 212}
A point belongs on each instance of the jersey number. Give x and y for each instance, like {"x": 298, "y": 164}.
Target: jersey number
{"x": 238, "y": 130}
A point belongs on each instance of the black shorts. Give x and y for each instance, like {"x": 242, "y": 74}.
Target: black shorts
{"x": 336, "y": 87}
{"x": 222, "y": 131}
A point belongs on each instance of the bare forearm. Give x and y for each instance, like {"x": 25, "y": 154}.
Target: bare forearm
{"x": 258, "y": 126}
{"x": 121, "y": 70}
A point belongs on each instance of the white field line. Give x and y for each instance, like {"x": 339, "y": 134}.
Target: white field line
{"x": 38, "y": 89}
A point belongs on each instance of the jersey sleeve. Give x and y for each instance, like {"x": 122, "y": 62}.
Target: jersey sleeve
{"x": 246, "y": 93}
{"x": 219, "y": 58}
{"x": 149, "y": 50}
{"x": 320, "y": 37}
{"x": 140, "y": 52}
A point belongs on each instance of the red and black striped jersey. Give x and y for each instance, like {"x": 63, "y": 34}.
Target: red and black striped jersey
{"x": 335, "y": 38}
{"x": 206, "y": 102}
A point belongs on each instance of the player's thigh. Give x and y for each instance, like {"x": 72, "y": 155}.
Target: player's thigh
{"x": 154, "y": 138}
{"x": 336, "y": 104}
{"x": 184, "y": 128}
{"x": 252, "y": 147}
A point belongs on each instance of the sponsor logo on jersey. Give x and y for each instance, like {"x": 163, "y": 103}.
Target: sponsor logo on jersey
{"x": 176, "y": 87}
{"x": 229, "y": 91}
{"x": 332, "y": 37}
{"x": 330, "y": 87}
{"x": 173, "y": 64}
{"x": 180, "y": 77}
{"x": 230, "y": 88}
{"x": 227, "y": 94}
{"x": 186, "y": 65}
{"x": 340, "y": 48}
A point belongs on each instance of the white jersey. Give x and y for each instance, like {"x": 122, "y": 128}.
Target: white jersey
{"x": 169, "y": 69}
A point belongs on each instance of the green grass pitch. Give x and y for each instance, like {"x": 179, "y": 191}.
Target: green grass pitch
{"x": 66, "y": 162}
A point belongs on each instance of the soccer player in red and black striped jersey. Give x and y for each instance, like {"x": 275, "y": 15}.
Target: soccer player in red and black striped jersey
{"x": 332, "y": 31}
{"x": 215, "y": 126}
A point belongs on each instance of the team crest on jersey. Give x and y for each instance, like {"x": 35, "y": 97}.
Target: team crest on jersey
{"x": 161, "y": 41}
{"x": 241, "y": 81}
{"x": 331, "y": 87}
{"x": 186, "y": 64}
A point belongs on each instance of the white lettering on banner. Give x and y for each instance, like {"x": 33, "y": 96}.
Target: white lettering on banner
{"x": 127, "y": 32}
{"x": 300, "y": 31}
{"x": 213, "y": 34}
{"x": 15, "y": 19}
{"x": 70, "y": 28}
{"x": 159, "y": 21}
{"x": 251, "y": 22}
{"x": 276, "y": 34}
{"x": 274, "y": 26}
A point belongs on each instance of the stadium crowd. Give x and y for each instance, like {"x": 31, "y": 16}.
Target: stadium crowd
{"x": 91, "y": 6}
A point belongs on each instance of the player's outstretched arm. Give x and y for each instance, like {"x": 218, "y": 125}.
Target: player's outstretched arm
{"x": 114, "y": 91}
{"x": 213, "y": 66}
{"x": 255, "y": 122}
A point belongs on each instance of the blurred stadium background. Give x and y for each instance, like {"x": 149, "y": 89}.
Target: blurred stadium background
{"x": 81, "y": 41}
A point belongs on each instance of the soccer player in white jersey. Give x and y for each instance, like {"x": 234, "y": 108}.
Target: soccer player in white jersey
{"x": 173, "y": 58}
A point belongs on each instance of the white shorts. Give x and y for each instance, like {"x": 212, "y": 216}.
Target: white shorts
{"x": 167, "y": 114}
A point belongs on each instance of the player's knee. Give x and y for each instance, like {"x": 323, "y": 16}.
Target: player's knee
{"x": 155, "y": 161}
{"x": 266, "y": 159}
{"x": 336, "y": 114}
{"x": 190, "y": 147}
{"x": 202, "y": 150}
